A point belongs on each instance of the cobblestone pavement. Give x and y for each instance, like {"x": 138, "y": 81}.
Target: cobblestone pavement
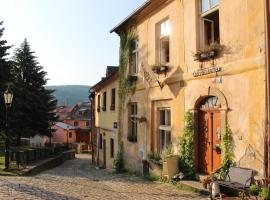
{"x": 77, "y": 180}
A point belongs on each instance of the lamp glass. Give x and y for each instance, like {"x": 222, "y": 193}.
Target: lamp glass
{"x": 8, "y": 96}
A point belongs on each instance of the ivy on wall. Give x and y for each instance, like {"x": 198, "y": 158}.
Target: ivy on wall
{"x": 125, "y": 89}
{"x": 186, "y": 147}
{"x": 227, "y": 159}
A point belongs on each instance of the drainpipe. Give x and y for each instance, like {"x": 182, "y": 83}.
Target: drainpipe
{"x": 267, "y": 88}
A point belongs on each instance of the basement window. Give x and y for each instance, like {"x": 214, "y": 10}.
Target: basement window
{"x": 163, "y": 42}
{"x": 210, "y": 22}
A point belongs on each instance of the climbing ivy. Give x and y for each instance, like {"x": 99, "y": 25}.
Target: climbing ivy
{"x": 186, "y": 147}
{"x": 118, "y": 162}
{"x": 227, "y": 159}
{"x": 125, "y": 87}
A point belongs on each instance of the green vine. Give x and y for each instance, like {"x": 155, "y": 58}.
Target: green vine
{"x": 118, "y": 162}
{"x": 227, "y": 159}
{"x": 186, "y": 147}
{"x": 125, "y": 87}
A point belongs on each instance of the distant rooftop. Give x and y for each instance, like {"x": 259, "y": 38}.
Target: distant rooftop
{"x": 65, "y": 126}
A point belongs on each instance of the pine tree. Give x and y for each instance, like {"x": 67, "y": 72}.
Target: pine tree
{"x": 5, "y": 76}
{"x": 33, "y": 105}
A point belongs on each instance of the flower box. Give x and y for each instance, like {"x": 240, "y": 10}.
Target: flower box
{"x": 208, "y": 53}
{"x": 162, "y": 69}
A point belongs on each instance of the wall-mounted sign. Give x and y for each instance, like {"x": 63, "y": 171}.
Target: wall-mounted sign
{"x": 206, "y": 71}
{"x": 115, "y": 125}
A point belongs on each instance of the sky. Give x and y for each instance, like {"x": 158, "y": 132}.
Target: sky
{"x": 70, "y": 38}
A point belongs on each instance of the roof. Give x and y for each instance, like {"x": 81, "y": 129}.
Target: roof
{"x": 130, "y": 16}
{"x": 110, "y": 70}
{"x": 106, "y": 80}
{"x": 65, "y": 126}
{"x": 144, "y": 10}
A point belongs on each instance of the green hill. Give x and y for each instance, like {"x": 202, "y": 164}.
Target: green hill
{"x": 70, "y": 94}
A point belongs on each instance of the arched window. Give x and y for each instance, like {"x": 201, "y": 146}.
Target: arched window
{"x": 211, "y": 102}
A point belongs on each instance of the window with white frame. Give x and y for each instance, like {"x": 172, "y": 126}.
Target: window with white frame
{"x": 133, "y": 125}
{"x": 163, "y": 42}
{"x": 134, "y": 57}
{"x": 210, "y": 22}
{"x": 164, "y": 128}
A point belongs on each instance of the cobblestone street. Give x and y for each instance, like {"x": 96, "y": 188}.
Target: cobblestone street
{"x": 77, "y": 180}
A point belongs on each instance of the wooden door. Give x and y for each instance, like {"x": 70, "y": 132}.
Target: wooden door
{"x": 208, "y": 138}
{"x": 104, "y": 153}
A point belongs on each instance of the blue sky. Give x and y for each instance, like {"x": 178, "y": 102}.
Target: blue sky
{"x": 70, "y": 37}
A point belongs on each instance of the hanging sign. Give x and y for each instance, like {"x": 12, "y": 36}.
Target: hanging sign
{"x": 206, "y": 71}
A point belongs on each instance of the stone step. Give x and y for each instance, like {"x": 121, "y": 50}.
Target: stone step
{"x": 196, "y": 185}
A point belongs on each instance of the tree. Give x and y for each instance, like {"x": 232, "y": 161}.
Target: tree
{"x": 33, "y": 105}
{"x": 5, "y": 76}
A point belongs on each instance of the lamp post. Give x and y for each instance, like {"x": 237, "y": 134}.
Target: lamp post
{"x": 67, "y": 134}
{"x": 8, "y": 97}
{"x": 92, "y": 102}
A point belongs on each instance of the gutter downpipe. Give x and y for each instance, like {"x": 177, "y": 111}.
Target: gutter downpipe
{"x": 267, "y": 88}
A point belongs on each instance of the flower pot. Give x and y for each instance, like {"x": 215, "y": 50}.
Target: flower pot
{"x": 170, "y": 166}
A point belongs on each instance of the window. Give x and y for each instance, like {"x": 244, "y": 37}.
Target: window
{"x": 87, "y": 123}
{"x": 98, "y": 107}
{"x": 134, "y": 57}
{"x": 210, "y": 22}
{"x": 163, "y": 42}
{"x": 112, "y": 147}
{"x": 104, "y": 101}
{"x": 75, "y": 123}
{"x": 113, "y": 99}
{"x": 70, "y": 134}
{"x": 100, "y": 141}
{"x": 133, "y": 122}
{"x": 164, "y": 127}
{"x": 208, "y": 4}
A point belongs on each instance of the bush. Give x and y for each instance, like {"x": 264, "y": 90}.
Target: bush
{"x": 186, "y": 147}
{"x": 118, "y": 163}
{"x": 254, "y": 190}
{"x": 265, "y": 193}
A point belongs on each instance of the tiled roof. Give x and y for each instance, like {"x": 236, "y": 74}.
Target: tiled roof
{"x": 65, "y": 126}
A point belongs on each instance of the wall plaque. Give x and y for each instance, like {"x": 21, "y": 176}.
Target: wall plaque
{"x": 206, "y": 71}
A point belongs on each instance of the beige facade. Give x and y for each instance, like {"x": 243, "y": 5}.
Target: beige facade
{"x": 238, "y": 81}
{"x": 241, "y": 86}
{"x": 106, "y": 120}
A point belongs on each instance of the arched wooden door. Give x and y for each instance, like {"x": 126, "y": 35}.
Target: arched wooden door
{"x": 209, "y": 135}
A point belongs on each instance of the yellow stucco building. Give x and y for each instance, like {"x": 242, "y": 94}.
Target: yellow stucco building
{"x": 207, "y": 56}
{"x": 106, "y": 118}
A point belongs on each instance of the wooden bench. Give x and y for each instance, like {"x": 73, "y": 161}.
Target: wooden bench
{"x": 237, "y": 178}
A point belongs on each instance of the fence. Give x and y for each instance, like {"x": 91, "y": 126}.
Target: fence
{"x": 21, "y": 158}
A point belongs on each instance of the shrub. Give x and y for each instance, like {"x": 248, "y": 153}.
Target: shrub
{"x": 185, "y": 146}
{"x": 253, "y": 190}
{"x": 265, "y": 193}
{"x": 118, "y": 163}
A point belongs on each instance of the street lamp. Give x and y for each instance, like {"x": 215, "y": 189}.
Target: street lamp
{"x": 67, "y": 134}
{"x": 8, "y": 97}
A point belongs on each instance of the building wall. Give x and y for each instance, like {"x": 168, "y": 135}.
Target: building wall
{"x": 243, "y": 73}
{"x": 105, "y": 124}
{"x": 81, "y": 123}
{"x": 60, "y": 135}
{"x": 150, "y": 97}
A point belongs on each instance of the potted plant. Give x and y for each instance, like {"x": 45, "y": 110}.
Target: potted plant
{"x": 170, "y": 162}
{"x": 264, "y": 193}
{"x": 155, "y": 164}
{"x": 206, "y": 182}
{"x": 217, "y": 148}
{"x": 209, "y": 52}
